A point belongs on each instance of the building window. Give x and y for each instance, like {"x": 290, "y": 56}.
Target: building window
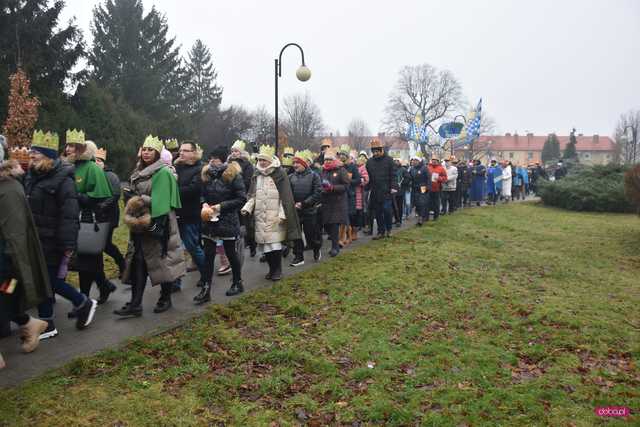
{"x": 511, "y": 155}
{"x": 530, "y": 155}
{"x": 586, "y": 155}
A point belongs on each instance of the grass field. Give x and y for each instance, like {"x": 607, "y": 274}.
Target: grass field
{"x": 515, "y": 315}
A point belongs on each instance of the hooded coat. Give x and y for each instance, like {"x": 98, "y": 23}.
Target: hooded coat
{"x": 20, "y": 250}
{"x": 223, "y": 186}
{"x": 334, "y": 207}
{"x": 190, "y": 185}
{"x": 161, "y": 267}
{"x": 270, "y": 202}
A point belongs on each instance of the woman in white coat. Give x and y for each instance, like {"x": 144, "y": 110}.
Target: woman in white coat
{"x": 507, "y": 178}
{"x": 270, "y": 202}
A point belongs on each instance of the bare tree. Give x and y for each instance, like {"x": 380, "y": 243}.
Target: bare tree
{"x": 626, "y": 136}
{"x": 303, "y": 121}
{"x": 421, "y": 89}
{"x": 358, "y": 132}
{"x": 262, "y": 130}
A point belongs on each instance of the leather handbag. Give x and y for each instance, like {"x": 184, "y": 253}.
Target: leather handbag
{"x": 92, "y": 237}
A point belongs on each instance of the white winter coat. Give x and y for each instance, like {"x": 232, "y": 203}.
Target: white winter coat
{"x": 506, "y": 181}
{"x": 267, "y": 209}
{"x": 452, "y": 178}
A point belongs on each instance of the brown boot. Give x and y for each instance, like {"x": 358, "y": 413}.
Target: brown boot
{"x": 354, "y": 234}
{"x": 342, "y": 237}
{"x": 2, "y": 364}
{"x": 30, "y": 334}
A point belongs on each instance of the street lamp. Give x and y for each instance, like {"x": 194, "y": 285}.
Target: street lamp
{"x": 303, "y": 73}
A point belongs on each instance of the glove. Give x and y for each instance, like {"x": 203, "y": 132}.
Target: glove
{"x": 327, "y": 187}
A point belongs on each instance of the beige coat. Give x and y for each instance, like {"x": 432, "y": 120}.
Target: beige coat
{"x": 161, "y": 269}
{"x": 267, "y": 209}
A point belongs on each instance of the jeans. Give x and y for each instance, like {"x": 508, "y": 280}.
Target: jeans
{"x": 62, "y": 288}
{"x": 384, "y": 212}
{"x": 449, "y": 202}
{"x": 407, "y": 204}
{"x": 190, "y": 235}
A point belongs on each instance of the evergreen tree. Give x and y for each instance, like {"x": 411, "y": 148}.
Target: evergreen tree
{"x": 33, "y": 38}
{"x": 570, "y": 152}
{"x": 134, "y": 58}
{"x": 202, "y": 93}
{"x": 551, "y": 148}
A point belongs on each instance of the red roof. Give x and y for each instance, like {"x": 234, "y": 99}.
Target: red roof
{"x": 532, "y": 142}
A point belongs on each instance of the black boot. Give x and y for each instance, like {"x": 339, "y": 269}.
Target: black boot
{"x": 277, "y": 266}
{"x": 106, "y": 288}
{"x": 164, "y": 303}
{"x": 269, "y": 259}
{"x": 129, "y": 311}
{"x": 204, "y": 295}
{"x": 235, "y": 289}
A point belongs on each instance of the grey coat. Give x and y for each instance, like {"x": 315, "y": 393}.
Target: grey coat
{"x": 161, "y": 269}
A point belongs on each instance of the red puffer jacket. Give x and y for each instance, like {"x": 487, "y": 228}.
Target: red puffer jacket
{"x": 441, "y": 179}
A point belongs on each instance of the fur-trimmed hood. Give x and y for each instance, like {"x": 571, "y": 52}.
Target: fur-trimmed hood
{"x": 231, "y": 170}
{"x": 10, "y": 169}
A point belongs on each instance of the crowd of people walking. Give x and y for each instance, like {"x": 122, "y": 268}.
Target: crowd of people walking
{"x": 60, "y": 210}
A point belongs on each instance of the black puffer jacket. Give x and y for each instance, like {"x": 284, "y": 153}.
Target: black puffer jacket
{"x": 382, "y": 178}
{"x": 190, "y": 186}
{"x": 464, "y": 176}
{"x": 419, "y": 180}
{"x": 114, "y": 210}
{"x": 307, "y": 190}
{"x": 225, "y": 187}
{"x": 247, "y": 171}
{"x": 54, "y": 203}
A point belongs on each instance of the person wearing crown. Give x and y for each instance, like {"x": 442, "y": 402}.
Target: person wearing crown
{"x": 95, "y": 198}
{"x": 223, "y": 194}
{"x": 383, "y": 185}
{"x": 334, "y": 209}
{"x": 239, "y": 154}
{"x": 287, "y": 160}
{"x": 53, "y": 198}
{"x": 24, "y": 281}
{"x": 154, "y": 247}
{"x": 307, "y": 192}
{"x": 349, "y": 232}
{"x": 272, "y": 207}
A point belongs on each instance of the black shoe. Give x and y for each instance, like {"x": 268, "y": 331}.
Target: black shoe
{"x": 317, "y": 254}
{"x": 200, "y": 283}
{"x": 419, "y": 223}
{"x": 252, "y": 251}
{"x": 334, "y": 252}
{"x": 235, "y": 289}
{"x": 263, "y": 258}
{"x": 50, "y": 332}
{"x": 72, "y": 314}
{"x": 204, "y": 295}
{"x": 84, "y": 315}
{"x": 105, "y": 290}
{"x": 129, "y": 311}
{"x": 163, "y": 304}
{"x": 297, "y": 262}
{"x": 285, "y": 252}
{"x": 277, "y": 267}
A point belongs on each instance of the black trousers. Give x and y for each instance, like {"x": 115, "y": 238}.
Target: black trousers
{"x": 398, "y": 205}
{"x": 434, "y": 204}
{"x": 210, "y": 257}
{"x": 112, "y": 250}
{"x": 448, "y": 201}
{"x": 333, "y": 230}
{"x": 139, "y": 277}
{"x": 312, "y": 234}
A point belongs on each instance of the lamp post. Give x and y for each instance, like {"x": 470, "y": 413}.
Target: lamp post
{"x": 303, "y": 73}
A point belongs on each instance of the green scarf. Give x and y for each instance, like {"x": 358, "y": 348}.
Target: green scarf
{"x": 92, "y": 181}
{"x": 164, "y": 193}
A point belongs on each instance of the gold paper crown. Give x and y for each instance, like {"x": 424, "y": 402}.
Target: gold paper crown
{"x": 239, "y": 145}
{"x": 344, "y": 148}
{"x": 267, "y": 150}
{"x": 75, "y": 137}
{"x": 288, "y": 150}
{"x": 306, "y": 155}
{"x": 153, "y": 142}
{"x": 171, "y": 144}
{"x": 45, "y": 140}
{"x": 101, "y": 153}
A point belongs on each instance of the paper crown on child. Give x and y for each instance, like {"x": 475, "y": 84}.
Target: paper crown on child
{"x": 239, "y": 145}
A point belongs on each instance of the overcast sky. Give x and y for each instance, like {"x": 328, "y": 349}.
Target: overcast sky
{"x": 540, "y": 66}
